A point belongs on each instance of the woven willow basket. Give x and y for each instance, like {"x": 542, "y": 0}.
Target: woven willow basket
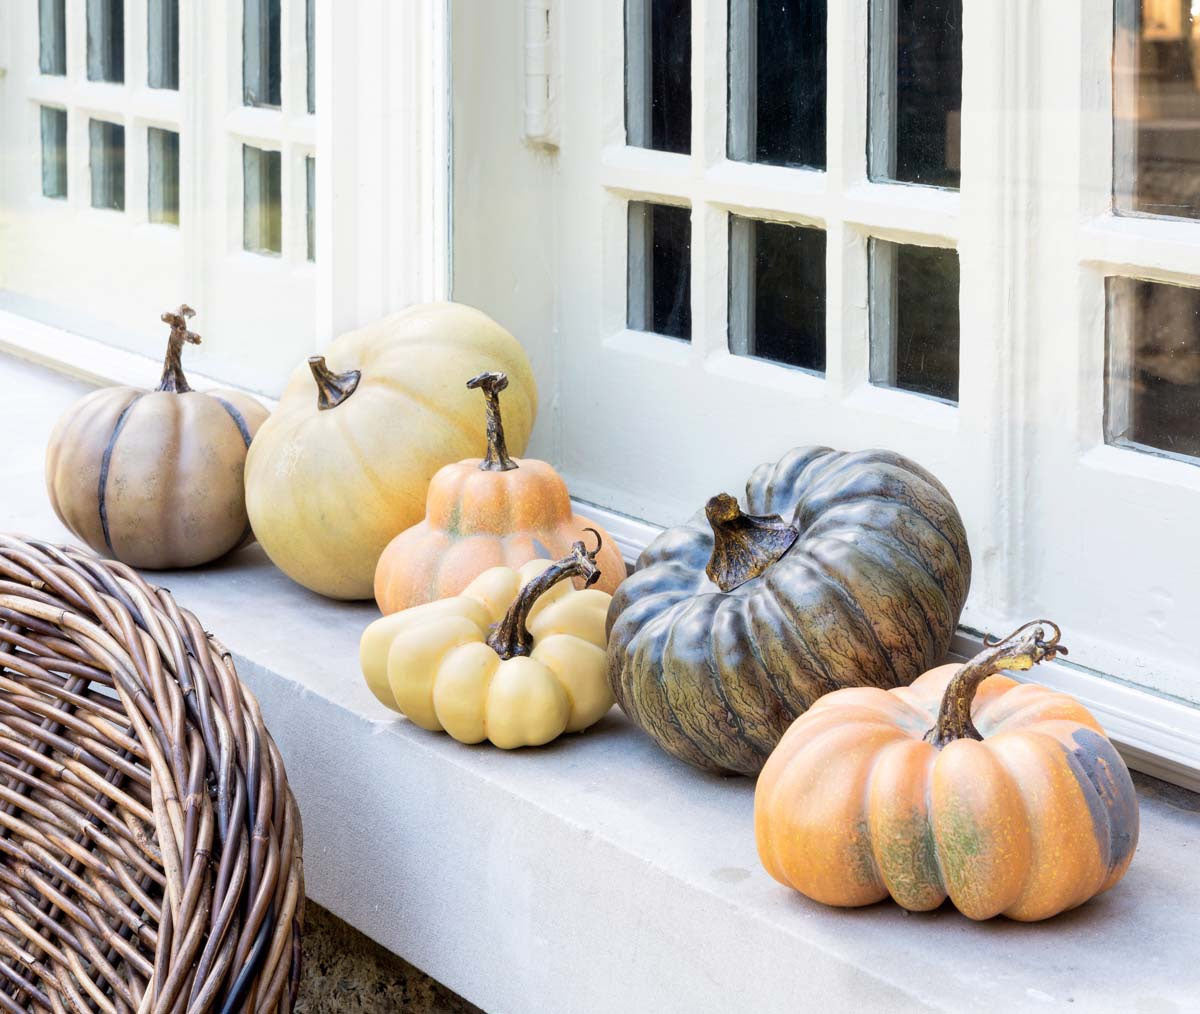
{"x": 150, "y": 848}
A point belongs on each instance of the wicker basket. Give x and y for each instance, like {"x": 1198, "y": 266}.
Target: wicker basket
{"x": 150, "y": 848}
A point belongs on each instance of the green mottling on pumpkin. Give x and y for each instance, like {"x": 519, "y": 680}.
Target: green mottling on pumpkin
{"x": 906, "y": 854}
{"x": 863, "y": 868}
{"x": 455, "y": 519}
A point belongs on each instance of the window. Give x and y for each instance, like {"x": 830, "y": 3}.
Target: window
{"x": 162, "y": 50}
{"x": 54, "y": 152}
{"x": 107, "y": 160}
{"x": 106, "y": 40}
{"x": 966, "y": 232}
{"x": 164, "y": 175}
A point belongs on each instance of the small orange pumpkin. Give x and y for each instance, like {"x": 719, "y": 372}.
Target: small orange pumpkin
{"x": 482, "y": 513}
{"x": 1005, "y": 796}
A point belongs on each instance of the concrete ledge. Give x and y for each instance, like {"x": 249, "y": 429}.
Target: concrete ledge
{"x": 598, "y": 874}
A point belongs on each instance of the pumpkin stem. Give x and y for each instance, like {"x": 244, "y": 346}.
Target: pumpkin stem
{"x": 1024, "y": 648}
{"x": 172, "y": 378}
{"x": 496, "y": 459}
{"x": 332, "y": 388}
{"x": 511, "y": 636}
{"x": 744, "y": 545}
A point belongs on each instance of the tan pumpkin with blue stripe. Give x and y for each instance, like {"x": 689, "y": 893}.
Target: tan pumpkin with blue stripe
{"x": 1006, "y": 797}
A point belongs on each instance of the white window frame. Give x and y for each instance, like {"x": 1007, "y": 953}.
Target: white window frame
{"x": 636, "y": 422}
{"x": 380, "y": 138}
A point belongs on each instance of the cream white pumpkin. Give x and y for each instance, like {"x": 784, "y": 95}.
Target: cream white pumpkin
{"x": 344, "y": 463}
{"x": 518, "y": 658}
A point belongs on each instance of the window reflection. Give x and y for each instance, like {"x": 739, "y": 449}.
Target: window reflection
{"x": 1156, "y": 108}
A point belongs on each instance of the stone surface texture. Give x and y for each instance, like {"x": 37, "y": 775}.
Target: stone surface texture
{"x": 599, "y": 874}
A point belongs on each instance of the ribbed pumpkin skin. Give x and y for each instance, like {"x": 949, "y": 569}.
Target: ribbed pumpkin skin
{"x": 154, "y": 478}
{"x": 869, "y": 595}
{"x": 1033, "y": 820}
{"x": 476, "y": 520}
{"x": 327, "y": 489}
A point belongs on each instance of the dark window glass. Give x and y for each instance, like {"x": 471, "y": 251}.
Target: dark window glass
{"x": 261, "y": 82}
{"x": 162, "y": 38}
{"x": 106, "y": 40}
{"x": 658, "y": 74}
{"x": 916, "y": 91}
{"x": 1153, "y": 397}
{"x": 107, "y": 158}
{"x": 777, "y": 292}
{"x": 777, "y": 75}
{"x": 52, "y": 36}
{"x": 164, "y": 176}
{"x": 1156, "y": 108}
{"x": 54, "y": 152}
{"x": 310, "y": 175}
{"x": 262, "y": 218}
{"x": 660, "y": 269}
{"x": 914, "y": 319}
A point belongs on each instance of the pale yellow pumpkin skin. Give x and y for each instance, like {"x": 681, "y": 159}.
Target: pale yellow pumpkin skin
{"x": 858, "y": 802}
{"x": 432, "y": 662}
{"x": 327, "y": 489}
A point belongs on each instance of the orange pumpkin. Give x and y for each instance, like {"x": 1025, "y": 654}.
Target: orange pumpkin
{"x": 1005, "y": 796}
{"x": 482, "y": 513}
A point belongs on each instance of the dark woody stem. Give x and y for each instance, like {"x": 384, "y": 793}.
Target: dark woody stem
{"x": 496, "y": 459}
{"x": 744, "y": 545}
{"x": 332, "y": 388}
{"x": 510, "y": 637}
{"x": 1024, "y": 648}
{"x": 173, "y": 379}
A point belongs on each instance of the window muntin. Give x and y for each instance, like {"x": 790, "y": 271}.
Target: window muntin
{"x": 777, "y": 82}
{"x": 915, "y": 89}
{"x": 1153, "y": 367}
{"x": 658, "y": 74}
{"x": 914, "y": 328}
{"x": 777, "y": 292}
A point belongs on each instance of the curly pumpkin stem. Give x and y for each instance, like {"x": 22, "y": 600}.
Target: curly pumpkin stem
{"x": 511, "y": 636}
{"x": 332, "y": 388}
{"x": 1024, "y": 648}
{"x": 744, "y": 545}
{"x": 172, "y": 379}
{"x": 496, "y": 459}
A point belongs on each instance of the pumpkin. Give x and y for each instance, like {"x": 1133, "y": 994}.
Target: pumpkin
{"x": 517, "y": 659}
{"x": 1005, "y": 796}
{"x": 836, "y": 570}
{"x": 482, "y": 513}
{"x": 344, "y": 463}
{"x": 154, "y": 478}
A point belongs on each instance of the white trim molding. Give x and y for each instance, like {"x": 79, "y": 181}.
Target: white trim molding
{"x": 1156, "y": 734}
{"x": 383, "y": 159}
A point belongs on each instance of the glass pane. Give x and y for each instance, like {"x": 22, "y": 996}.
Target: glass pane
{"x": 107, "y": 157}
{"x": 106, "y": 40}
{"x": 262, "y": 218}
{"x": 1153, "y": 397}
{"x": 777, "y": 82}
{"x": 915, "y": 91}
{"x": 310, "y": 27}
{"x": 260, "y": 53}
{"x": 658, "y": 74}
{"x": 1156, "y": 108}
{"x": 660, "y": 270}
{"x": 914, "y": 319}
{"x": 777, "y": 292}
{"x": 52, "y": 36}
{"x": 310, "y": 173}
{"x": 164, "y": 176}
{"x": 54, "y": 152}
{"x": 162, "y": 49}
